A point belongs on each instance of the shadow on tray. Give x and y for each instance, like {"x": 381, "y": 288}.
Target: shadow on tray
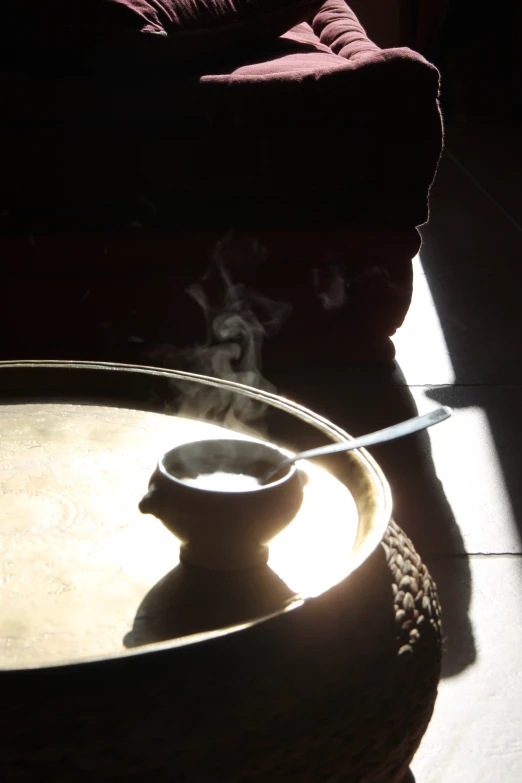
{"x": 191, "y": 600}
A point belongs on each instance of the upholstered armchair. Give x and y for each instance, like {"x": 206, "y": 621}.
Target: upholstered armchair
{"x": 301, "y": 161}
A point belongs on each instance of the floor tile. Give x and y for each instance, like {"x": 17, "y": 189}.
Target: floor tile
{"x": 476, "y": 730}
{"x": 481, "y": 323}
{"x": 478, "y": 460}
{"x": 490, "y": 153}
{"x": 464, "y": 324}
{"x": 461, "y": 328}
{"x": 422, "y": 349}
{"x": 466, "y": 230}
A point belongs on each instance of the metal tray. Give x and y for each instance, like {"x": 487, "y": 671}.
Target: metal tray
{"x": 86, "y": 578}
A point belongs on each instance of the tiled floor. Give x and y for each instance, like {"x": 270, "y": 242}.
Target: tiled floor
{"x": 476, "y": 731}
{"x": 457, "y": 489}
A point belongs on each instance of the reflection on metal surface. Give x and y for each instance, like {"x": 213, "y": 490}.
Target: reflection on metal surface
{"x": 313, "y": 553}
{"x": 78, "y": 559}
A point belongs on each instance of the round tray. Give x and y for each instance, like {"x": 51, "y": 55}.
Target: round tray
{"x": 86, "y": 577}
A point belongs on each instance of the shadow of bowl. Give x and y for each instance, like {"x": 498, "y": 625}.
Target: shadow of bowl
{"x": 189, "y": 600}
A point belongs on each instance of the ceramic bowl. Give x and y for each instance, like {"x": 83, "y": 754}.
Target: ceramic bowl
{"x": 207, "y": 493}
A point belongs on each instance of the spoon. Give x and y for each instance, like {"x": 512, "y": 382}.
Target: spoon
{"x": 371, "y": 439}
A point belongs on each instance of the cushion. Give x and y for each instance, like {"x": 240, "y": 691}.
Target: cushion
{"x": 178, "y": 29}
{"x": 233, "y": 144}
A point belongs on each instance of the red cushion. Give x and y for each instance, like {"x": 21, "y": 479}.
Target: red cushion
{"x": 184, "y": 29}
{"x": 294, "y": 131}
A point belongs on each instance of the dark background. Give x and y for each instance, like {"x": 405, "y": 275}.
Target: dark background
{"x": 478, "y": 50}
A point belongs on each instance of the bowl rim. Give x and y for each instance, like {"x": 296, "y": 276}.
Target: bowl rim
{"x": 291, "y": 470}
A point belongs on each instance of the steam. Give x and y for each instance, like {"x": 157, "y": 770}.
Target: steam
{"x": 330, "y": 286}
{"x": 238, "y": 320}
{"x": 334, "y": 290}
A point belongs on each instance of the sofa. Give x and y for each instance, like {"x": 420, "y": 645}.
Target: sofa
{"x": 280, "y": 181}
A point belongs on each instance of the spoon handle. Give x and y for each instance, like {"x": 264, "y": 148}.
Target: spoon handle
{"x": 371, "y": 439}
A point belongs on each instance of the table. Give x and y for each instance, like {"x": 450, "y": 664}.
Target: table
{"x": 326, "y": 668}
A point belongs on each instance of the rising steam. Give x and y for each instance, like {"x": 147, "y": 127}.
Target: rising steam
{"x": 330, "y": 286}
{"x": 238, "y": 319}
